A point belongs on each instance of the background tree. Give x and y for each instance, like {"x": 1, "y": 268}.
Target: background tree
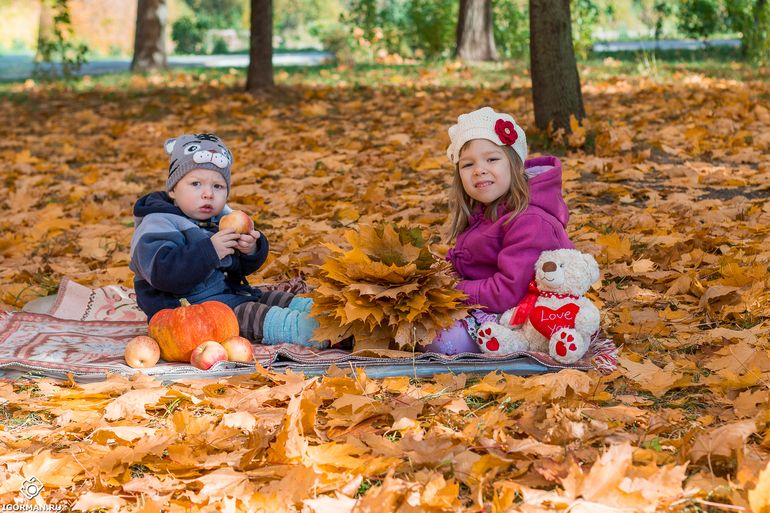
{"x": 431, "y": 26}
{"x": 555, "y": 81}
{"x": 702, "y": 18}
{"x": 655, "y": 16}
{"x": 150, "y": 38}
{"x": 59, "y": 54}
{"x": 260, "y": 73}
{"x": 750, "y": 18}
{"x": 757, "y": 45}
{"x": 45, "y": 29}
{"x": 300, "y": 20}
{"x": 475, "y": 36}
{"x": 511, "y": 28}
{"x": 584, "y": 15}
{"x": 192, "y": 32}
{"x": 412, "y": 28}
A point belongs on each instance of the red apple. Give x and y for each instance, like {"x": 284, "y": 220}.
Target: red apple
{"x": 207, "y": 354}
{"x": 237, "y": 219}
{"x": 238, "y": 349}
{"x": 142, "y": 352}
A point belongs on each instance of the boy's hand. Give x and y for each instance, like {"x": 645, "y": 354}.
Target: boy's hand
{"x": 247, "y": 242}
{"x": 225, "y": 242}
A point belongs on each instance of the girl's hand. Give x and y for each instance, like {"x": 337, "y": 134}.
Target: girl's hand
{"x": 247, "y": 242}
{"x": 225, "y": 242}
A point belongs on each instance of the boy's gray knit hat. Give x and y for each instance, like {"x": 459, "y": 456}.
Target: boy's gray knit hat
{"x": 197, "y": 151}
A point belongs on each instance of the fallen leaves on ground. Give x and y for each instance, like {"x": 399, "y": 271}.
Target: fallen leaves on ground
{"x": 667, "y": 184}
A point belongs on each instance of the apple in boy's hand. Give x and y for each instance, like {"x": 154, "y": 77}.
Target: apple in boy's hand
{"x": 142, "y": 352}
{"x": 237, "y": 219}
{"x": 238, "y": 349}
{"x": 207, "y": 354}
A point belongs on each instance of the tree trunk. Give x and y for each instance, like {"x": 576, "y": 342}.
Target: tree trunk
{"x": 759, "y": 41}
{"x": 758, "y": 11}
{"x": 475, "y": 38}
{"x": 555, "y": 80}
{"x": 150, "y": 38}
{"x": 45, "y": 25}
{"x": 260, "y": 73}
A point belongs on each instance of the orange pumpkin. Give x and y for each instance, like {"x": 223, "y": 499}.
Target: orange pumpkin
{"x": 180, "y": 330}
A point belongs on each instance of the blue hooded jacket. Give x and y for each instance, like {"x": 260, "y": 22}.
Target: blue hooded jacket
{"x": 173, "y": 258}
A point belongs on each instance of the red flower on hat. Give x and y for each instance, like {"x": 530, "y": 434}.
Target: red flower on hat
{"x": 506, "y": 131}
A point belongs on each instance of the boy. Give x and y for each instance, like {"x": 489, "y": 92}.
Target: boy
{"x": 177, "y": 250}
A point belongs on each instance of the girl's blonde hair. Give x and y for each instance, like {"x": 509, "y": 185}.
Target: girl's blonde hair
{"x": 462, "y": 206}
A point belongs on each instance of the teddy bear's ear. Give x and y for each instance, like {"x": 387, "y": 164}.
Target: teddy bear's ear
{"x": 593, "y": 267}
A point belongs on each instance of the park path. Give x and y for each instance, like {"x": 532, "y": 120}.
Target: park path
{"x": 19, "y": 67}
{"x": 680, "y": 44}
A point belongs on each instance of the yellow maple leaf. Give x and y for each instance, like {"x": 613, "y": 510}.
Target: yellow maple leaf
{"x": 93, "y": 175}
{"x": 722, "y": 441}
{"x": 578, "y": 136}
{"x": 671, "y": 315}
{"x": 696, "y": 132}
{"x": 759, "y": 497}
{"x": 315, "y": 109}
{"x": 615, "y": 247}
{"x": 648, "y": 375}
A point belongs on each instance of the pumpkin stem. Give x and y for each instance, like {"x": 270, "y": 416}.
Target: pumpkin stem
{"x": 184, "y": 302}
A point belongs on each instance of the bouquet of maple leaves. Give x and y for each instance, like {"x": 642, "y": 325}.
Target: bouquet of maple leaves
{"x": 389, "y": 291}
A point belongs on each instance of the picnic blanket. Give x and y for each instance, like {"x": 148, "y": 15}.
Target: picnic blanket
{"x": 85, "y": 332}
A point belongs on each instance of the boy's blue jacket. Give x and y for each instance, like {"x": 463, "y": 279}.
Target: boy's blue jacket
{"x": 173, "y": 258}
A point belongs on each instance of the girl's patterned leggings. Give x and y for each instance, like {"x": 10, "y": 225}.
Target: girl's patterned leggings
{"x": 462, "y": 337}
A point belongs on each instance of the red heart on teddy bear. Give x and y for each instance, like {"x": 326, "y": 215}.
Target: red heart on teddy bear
{"x": 548, "y": 321}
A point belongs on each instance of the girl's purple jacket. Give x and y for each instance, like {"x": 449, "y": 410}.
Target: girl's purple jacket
{"x": 497, "y": 260}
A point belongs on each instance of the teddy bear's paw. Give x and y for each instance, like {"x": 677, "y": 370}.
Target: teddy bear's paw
{"x": 497, "y": 339}
{"x": 489, "y": 336}
{"x": 567, "y": 346}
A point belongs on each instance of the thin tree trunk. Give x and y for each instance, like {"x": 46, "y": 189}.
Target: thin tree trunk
{"x": 759, "y": 41}
{"x": 555, "y": 80}
{"x": 475, "y": 37}
{"x": 45, "y": 25}
{"x": 758, "y": 10}
{"x": 260, "y": 73}
{"x": 150, "y": 38}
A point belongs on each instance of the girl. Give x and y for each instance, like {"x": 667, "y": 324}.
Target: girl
{"x": 506, "y": 210}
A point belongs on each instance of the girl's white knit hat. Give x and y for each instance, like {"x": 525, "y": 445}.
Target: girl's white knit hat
{"x": 485, "y": 123}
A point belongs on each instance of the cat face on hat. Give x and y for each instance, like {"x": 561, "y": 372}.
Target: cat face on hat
{"x": 197, "y": 151}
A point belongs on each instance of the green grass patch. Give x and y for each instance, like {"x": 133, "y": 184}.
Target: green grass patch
{"x": 716, "y": 62}
{"x": 427, "y": 76}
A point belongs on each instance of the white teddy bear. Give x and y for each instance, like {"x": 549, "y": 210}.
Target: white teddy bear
{"x": 555, "y": 318}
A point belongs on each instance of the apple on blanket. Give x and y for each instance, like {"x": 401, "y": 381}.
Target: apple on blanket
{"x": 555, "y": 317}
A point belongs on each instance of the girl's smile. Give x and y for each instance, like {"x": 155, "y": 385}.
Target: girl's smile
{"x": 485, "y": 171}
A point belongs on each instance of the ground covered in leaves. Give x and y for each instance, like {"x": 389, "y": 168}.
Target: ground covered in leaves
{"x": 668, "y": 184}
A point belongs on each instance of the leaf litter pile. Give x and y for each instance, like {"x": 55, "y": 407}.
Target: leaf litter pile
{"x": 668, "y": 186}
{"x": 388, "y": 287}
